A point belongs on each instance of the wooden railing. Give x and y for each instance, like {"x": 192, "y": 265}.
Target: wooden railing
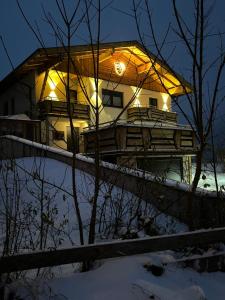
{"x": 79, "y": 111}
{"x": 108, "y": 250}
{"x": 134, "y": 138}
{"x": 150, "y": 114}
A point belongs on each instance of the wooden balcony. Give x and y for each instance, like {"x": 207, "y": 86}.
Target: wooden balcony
{"x": 59, "y": 108}
{"x": 141, "y": 140}
{"x": 150, "y": 114}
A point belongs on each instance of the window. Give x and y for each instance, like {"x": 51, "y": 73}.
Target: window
{"x": 153, "y": 102}
{"x": 58, "y": 135}
{"x": 112, "y": 98}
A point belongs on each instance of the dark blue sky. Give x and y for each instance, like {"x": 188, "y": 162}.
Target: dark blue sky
{"x": 116, "y": 26}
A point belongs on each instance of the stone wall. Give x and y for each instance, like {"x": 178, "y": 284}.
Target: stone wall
{"x": 207, "y": 209}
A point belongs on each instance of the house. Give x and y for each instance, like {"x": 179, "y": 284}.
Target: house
{"x": 137, "y": 127}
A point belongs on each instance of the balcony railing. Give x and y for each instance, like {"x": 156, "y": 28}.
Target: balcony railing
{"x": 150, "y": 114}
{"x": 143, "y": 139}
{"x": 50, "y": 107}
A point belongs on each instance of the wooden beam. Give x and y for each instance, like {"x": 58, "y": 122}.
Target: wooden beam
{"x": 109, "y": 250}
{"x": 106, "y": 55}
{"x": 131, "y": 57}
{"x": 102, "y": 55}
{"x": 136, "y": 55}
{"x": 143, "y": 68}
{"x": 179, "y": 90}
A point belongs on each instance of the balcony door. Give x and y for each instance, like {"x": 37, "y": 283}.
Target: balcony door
{"x": 69, "y": 139}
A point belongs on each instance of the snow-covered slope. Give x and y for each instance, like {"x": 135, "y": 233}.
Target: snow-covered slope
{"x": 127, "y": 279}
{"x": 30, "y": 179}
{"x": 40, "y": 187}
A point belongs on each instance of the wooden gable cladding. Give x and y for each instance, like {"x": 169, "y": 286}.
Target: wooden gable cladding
{"x": 84, "y": 65}
{"x": 143, "y": 68}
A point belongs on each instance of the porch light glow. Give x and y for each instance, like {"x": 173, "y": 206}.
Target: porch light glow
{"x": 53, "y": 96}
{"x": 119, "y": 68}
{"x": 94, "y": 94}
{"x": 52, "y": 84}
{"x": 165, "y": 102}
{"x": 53, "y": 80}
{"x": 136, "y": 102}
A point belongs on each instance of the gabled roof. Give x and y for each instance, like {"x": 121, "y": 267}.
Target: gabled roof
{"x": 141, "y": 64}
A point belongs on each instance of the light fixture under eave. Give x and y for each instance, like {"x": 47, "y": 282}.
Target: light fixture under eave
{"x": 165, "y": 98}
{"x": 136, "y": 92}
{"x": 119, "y": 68}
{"x": 52, "y": 96}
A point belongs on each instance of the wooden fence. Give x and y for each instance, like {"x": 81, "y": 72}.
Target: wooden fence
{"x": 109, "y": 250}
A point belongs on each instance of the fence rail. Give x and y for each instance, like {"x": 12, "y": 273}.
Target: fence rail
{"x": 109, "y": 250}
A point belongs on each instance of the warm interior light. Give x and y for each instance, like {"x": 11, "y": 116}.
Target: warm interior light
{"x": 119, "y": 67}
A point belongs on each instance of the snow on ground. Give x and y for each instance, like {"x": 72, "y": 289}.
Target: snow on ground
{"x": 120, "y": 278}
{"x": 58, "y": 206}
{"x": 207, "y": 180}
{"x": 127, "y": 279}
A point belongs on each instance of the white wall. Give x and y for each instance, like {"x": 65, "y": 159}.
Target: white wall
{"x": 107, "y": 113}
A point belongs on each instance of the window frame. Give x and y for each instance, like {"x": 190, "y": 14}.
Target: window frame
{"x": 111, "y": 94}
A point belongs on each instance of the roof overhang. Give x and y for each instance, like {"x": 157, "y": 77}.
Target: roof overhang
{"x": 143, "y": 69}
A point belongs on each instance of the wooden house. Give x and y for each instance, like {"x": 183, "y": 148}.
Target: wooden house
{"x": 135, "y": 91}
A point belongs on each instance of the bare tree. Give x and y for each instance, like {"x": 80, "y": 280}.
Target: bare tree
{"x": 88, "y": 13}
{"x": 205, "y": 98}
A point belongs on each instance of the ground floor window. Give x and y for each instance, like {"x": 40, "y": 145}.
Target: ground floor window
{"x": 170, "y": 168}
